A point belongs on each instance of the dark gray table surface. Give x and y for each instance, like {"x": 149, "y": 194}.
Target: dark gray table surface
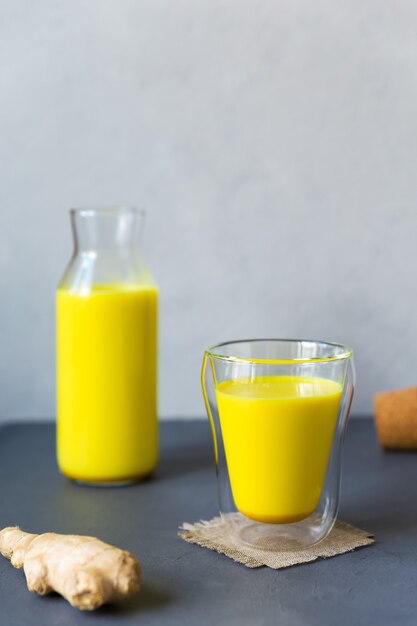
{"x": 188, "y": 585}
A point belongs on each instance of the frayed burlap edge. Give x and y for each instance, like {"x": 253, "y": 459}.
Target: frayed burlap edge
{"x": 215, "y": 535}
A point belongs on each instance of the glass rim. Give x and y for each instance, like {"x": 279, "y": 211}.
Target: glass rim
{"x": 106, "y": 210}
{"x": 346, "y": 352}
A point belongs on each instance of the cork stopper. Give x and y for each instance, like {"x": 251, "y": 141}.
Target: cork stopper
{"x": 396, "y": 418}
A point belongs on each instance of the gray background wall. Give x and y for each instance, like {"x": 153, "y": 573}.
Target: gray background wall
{"x": 274, "y": 146}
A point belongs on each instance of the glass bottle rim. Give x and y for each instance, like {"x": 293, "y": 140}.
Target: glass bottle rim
{"x": 89, "y": 211}
{"x": 344, "y": 352}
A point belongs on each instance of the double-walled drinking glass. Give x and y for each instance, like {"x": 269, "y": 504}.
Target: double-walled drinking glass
{"x": 278, "y": 411}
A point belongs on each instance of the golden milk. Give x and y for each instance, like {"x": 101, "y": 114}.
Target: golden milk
{"x": 277, "y": 433}
{"x": 106, "y": 382}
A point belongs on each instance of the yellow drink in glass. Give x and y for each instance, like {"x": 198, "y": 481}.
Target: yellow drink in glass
{"x": 277, "y": 433}
{"x": 106, "y": 382}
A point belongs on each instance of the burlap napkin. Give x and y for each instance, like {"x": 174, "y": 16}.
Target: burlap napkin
{"x": 215, "y": 535}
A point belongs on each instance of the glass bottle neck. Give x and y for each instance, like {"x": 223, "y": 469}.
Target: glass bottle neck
{"x": 106, "y": 251}
{"x": 116, "y": 230}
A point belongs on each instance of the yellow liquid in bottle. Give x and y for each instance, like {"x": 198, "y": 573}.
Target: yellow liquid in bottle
{"x": 107, "y": 382}
{"x": 277, "y": 433}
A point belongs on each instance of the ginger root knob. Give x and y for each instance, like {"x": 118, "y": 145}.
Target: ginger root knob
{"x": 84, "y": 570}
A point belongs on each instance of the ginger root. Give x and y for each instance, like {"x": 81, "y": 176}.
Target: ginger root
{"x": 84, "y": 570}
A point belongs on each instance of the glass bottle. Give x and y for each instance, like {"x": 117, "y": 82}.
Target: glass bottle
{"x": 106, "y": 312}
